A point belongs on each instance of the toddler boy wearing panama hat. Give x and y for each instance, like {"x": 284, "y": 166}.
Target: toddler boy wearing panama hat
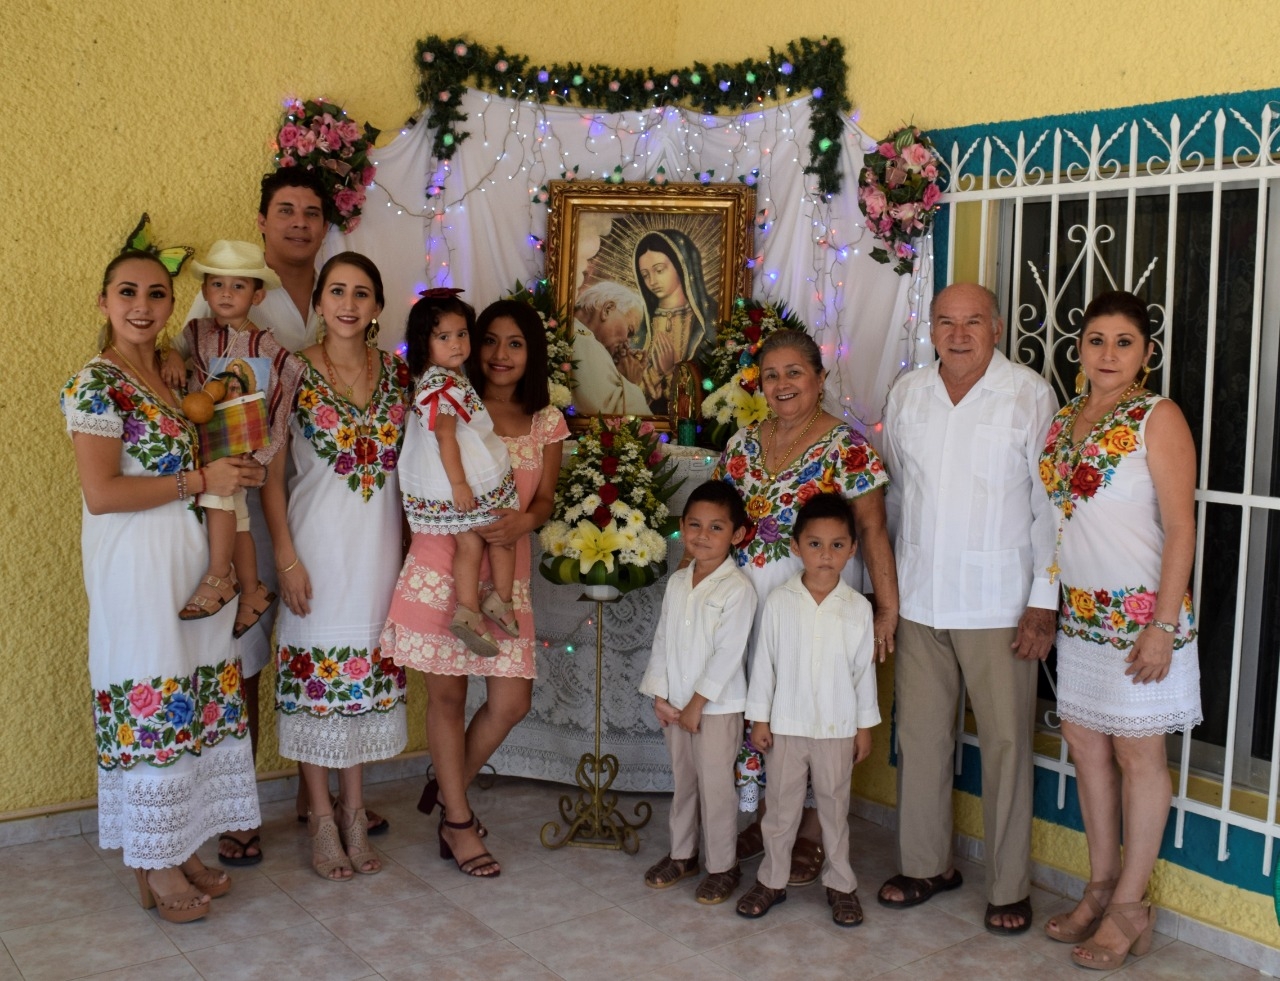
{"x": 230, "y": 346}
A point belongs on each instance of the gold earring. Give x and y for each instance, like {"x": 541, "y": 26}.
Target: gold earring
{"x": 1146, "y": 373}
{"x": 371, "y": 333}
{"x": 1082, "y": 382}
{"x": 321, "y": 327}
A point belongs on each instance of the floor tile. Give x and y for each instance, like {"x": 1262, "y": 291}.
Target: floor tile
{"x": 779, "y": 952}
{"x": 61, "y": 892}
{"x": 255, "y": 905}
{"x": 301, "y": 952}
{"x": 696, "y": 968}
{"x": 701, "y": 928}
{"x": 524, "y": 900}
{"x": 84, "y": 945}
{"x": 1177, "y": 961}
{"x": 324, "y": 898}
{"x": 609, "y": 942}
{"x": 39, "y": 856}
{"x": 992, "y": 959}
{"x": 497, "y": 961}
{"x": 167, "y": 969}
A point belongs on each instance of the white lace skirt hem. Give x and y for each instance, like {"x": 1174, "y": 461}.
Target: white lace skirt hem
{"x": 1094, "y": 692}
{"x": 161, "y": 815}
{"x": 339, "y": 741}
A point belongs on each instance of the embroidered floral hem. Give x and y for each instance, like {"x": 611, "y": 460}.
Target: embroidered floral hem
{"x": 336, "y": 681}
{"x": 1117, "y": 616}
{"x": 157, "y": 720}
{"x": 435, "y": 517}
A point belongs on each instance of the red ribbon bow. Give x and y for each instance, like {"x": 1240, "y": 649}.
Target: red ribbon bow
{"x": 431, "y": 402}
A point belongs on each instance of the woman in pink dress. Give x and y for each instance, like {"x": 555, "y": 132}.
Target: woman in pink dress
{"x": 508, "y": 368}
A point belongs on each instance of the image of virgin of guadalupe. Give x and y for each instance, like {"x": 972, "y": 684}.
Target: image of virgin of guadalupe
{"x": 679, "y": 316}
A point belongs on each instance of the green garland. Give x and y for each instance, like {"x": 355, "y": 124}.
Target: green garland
{"x": 448, "y": 65}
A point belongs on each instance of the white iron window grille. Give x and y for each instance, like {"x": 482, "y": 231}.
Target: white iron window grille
{"x": 1191, "y": 228}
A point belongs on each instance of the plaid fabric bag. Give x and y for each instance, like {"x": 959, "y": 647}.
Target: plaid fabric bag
{"x": 238, "y": 426}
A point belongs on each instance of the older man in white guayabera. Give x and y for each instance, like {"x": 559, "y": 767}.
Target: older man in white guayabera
{"x": 974, "y": 540}
{"x": 606, "y": 317}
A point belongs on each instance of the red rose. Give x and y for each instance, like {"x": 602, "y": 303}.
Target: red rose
{"x": 752, "y": 333}
{"x": 606, "y": 440}
{"x": 300, "y": 666}
{"x": 755, "y": 315}
{"x": 609, "y": 493}
{"x": 609, "y": 466}
{"x": 752, "y": 763}
{"x": 366, "y": 451}
{"x": 806, "y": 492}
{"x": 104, "y": 701}
{"x": 1137, "y": 412}
{"x": 601, "y": 516}
{"x": 1085, "y": 480}
{"x": 746, "y": 539}
{"x": 737, "y": 467}
{"x": 1102, "y": 596}
{"x": 402, "y": 375}
{"x": 183, "y": 736}
{"x": 786, "y": 499}
{"x": 855, "y": 458}
{"x": 122, "y": 401}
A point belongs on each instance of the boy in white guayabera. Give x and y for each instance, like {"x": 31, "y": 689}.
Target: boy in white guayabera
{"x": 812, "y": 702}
{"x": 697, "y": 678}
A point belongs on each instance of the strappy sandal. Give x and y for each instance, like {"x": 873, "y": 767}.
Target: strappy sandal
{"x": 846, "y": 911}
{"x": 1055, "y": 928}
{"x": 224, "y": 590}
{"x": 916, "y": 891}
{"x": 1021, "y": 908}
{"x": 251, "y": 609}
{"x": 212, "y": 882}
{"x": 499, "y": 610}
{"x": 750, "y": 842}
{"x": 1102, "y": 959}
{"x": 668, "y": 871}
{"x": 327, "y": 856}
{"x": 718, "y": 886}
{"x": 759, "y": 899}
{"x": 244, "y": 858}
{"x": 470, "y": 629}
{"x": 806, "y": 862}
{"x": 180, "y": 907}
{"x": 427, "y": 804}
{"x": 355, "y": 839}
{"x": 478, "y": 865}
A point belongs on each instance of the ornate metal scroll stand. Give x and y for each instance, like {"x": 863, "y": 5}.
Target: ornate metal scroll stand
{"x": 593, "y": 820}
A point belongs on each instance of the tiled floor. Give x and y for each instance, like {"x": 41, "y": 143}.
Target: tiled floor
{"x": 70, "y": 911}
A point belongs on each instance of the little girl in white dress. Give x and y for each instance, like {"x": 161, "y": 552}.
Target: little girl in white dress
{"x": 455, "y": 470}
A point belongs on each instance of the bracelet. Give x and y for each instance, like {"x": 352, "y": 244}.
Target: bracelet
{"x": 181, "y": 478}
{"x": 1169, "y": 628}
{"x": 290, "y": 567}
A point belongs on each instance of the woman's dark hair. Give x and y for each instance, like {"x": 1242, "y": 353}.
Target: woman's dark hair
{"x": 1122, "y": 304}
{"x": 533, "y": 390}
{"x": 797, "y": 339}
{"x": 423, "y": 318}
{"x": 295, "y": 177}
{"x": 828, "y": 505}
{"x": 128, "y": 255}
{"x": 721, "y": 494}
{"x": 654, "y": 242}
{"x": 366, "y": 266}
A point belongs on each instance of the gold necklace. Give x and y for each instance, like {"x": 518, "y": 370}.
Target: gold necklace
{"x": 773, "y": 441}
{"x": 139, "y": 375}
{"x": 1069, "y": 429}
{"x": 349, "y": 391}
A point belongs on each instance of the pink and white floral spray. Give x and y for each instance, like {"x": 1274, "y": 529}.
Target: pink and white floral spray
{"x": 898, "y": 192}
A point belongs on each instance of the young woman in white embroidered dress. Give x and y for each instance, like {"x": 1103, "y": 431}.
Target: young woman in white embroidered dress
{"x": 174, "y": 762}
{"x": 509, "y": 365}
{"x": 1120, "y": 464}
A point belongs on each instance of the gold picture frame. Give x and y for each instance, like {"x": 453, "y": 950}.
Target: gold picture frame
{"x": 645, "y": 274}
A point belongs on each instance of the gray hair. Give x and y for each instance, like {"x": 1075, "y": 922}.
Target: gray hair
{"x": 991, "y": 298}
{"x": 592, "y": 300}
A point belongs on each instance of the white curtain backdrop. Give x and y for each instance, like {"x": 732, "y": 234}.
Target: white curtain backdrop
{"x": 482, "y": 228}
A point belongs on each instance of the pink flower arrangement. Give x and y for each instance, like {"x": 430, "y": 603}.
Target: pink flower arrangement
{"x": 318, "y": 135}
{"x": 899, "y": 194}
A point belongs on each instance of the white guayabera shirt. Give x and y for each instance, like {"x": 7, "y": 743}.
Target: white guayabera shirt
{"x": 974, "y": 527}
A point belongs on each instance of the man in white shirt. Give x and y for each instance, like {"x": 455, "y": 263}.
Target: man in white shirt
{"x": 606, "y": 317}
{"x": 293, "y": 217}
{"x": 974, "y": 540}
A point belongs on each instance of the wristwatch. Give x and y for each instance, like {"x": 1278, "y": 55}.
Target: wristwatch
{"x": 1169, "y": 628}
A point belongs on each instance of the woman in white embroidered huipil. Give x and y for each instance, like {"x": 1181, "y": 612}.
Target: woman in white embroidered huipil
{"x": 1119, "y": 464}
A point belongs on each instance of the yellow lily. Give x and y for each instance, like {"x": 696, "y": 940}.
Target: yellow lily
{"x": 596, "y": 544}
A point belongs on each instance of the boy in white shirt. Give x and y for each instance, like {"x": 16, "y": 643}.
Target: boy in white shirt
{"x": 696, "y": 675}
{"x": 812, "y": 702}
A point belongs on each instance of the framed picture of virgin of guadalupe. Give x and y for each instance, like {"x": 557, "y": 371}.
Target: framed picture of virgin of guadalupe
{"x": 648, "y": 272}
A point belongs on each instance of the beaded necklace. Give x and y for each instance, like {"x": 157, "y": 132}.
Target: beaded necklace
{"x": 773, "y": 441}
{"x": 349, "y": 391}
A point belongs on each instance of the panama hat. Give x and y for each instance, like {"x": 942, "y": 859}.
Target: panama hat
{"x": 229, "y": 258}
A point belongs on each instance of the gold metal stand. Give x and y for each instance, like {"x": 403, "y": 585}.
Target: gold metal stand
{"x": 594, "y": 820}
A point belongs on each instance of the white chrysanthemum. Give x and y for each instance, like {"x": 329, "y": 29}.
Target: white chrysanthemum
{"x": 561, "y": 397}
{"x": 620, "y": 511}
{"x": 635, "y": 518}
{"x": 591, "y": 502}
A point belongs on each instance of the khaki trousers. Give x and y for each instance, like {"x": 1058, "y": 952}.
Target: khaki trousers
{"x": 1002, "y": 690}
{"x": 702, "y": 767}
{"x": 829, "y": 764}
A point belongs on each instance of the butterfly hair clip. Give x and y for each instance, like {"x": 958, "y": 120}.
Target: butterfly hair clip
{"x": 140, "y": 240}
{"x": 440, "y": 293}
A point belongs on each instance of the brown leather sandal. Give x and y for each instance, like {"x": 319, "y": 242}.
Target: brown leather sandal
{"x": 1102, "y": 959}
{"x": 846, "y": 911}
{"x": 750, "y": 842}
{"x": 1022, "y": 908}
{"x": 201, "y": 605}
{"x": 668, "y": 871}
{"x": 806, "y": 862}
{"x": 251, "y": 609}
{"x": 211, "y": 882}
{"x": 917, "y": 890}
{"x": 1056, "y": 928}
{"x": 502, "y": 613}
{"x": 482, "y": 866}
{"x": 718, "y": 886}
{"x": 759, "y": 899}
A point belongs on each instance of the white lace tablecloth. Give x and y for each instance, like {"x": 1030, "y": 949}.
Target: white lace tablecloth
{"x": 561, "y": 725}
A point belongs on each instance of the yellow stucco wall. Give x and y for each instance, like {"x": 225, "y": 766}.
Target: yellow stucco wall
{"x": 118, "y": 107}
